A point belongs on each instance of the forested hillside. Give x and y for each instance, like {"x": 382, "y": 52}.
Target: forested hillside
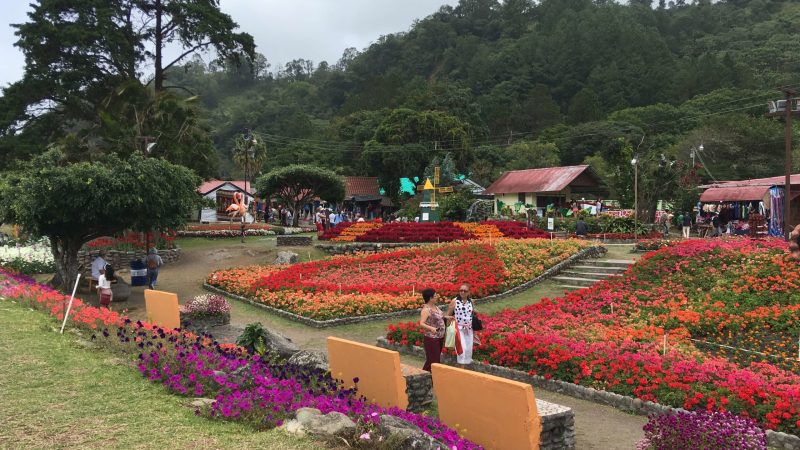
{"x": 517, "y": 84}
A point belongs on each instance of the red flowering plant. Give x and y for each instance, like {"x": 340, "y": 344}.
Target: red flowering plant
{"x": 709, "y": 325}
{"x": 358, "y": 285}
{"x": 131, "y": 240}
{"x": 429, "y": 231}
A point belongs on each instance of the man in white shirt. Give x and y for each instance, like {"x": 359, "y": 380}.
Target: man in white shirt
{"x": 98, "y": 265}
{"x": 332, "y": 219}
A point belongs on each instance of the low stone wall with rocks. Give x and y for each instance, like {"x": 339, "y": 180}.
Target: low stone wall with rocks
{"x": 293, "y": 241}
{"x": 633, "y": 405}
{"x": 593, "y": 252}
{"x": 356, "y": 247}
{"x": 122, "y": 259}
{"x": 419, "y": 387}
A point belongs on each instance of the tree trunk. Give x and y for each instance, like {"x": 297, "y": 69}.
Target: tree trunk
{"x": 159, "y": 76}
{"x": 65, "y": 254}
{"x": 295, "y": 215}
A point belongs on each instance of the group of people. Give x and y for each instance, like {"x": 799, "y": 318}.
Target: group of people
{"x": 434, "y": 322}
{"x": 105, "y": 275}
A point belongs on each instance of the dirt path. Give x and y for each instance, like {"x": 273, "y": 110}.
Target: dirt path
{"x": 598, "y": 427}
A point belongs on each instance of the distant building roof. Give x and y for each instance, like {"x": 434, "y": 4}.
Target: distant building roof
{"x": 212, "y": 185}
{"x": 361, "y": 186}
{"x": 549, "y": 179}
{"x": 745, "y": 190}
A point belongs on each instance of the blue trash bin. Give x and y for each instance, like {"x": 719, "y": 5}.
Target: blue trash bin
{"x": 138, "y": 273}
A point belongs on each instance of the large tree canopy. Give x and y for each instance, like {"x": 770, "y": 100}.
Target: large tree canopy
{"x": 78, "y": 52}
{"x": 72, "y": 204}
{"x": 298, "y": 184}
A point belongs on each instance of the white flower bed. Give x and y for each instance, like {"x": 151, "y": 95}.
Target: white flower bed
{"x": 38, "y": 251}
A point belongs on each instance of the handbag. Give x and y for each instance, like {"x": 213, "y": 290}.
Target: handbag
{"x": 450, "y": 335}
{"x": 477, "y": 324}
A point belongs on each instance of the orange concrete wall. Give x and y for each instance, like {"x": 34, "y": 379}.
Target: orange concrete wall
{"x": 377, "y": 370}
{"x": 497, "y": 413}
{"x": 162, "y": 308}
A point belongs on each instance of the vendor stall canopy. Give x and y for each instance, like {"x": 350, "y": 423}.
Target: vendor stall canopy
{"x": 746, "y": 190}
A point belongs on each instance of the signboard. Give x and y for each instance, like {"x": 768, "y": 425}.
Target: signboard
{"x": 446, "y": 189}
{"x": 425, "y": 217}
{"x": 551, "y": 224}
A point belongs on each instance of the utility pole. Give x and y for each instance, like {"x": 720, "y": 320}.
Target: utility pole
{"x": 787, "y": 114}
{"x": 635, "y": 162}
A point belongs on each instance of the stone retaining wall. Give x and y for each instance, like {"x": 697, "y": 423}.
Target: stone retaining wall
{"x": 293, "y": 241}
{"x": 354, "y": 247}
{"x": 122, "y": 259}
{"x": 778, "y": 440}
{"x": 419, "y": 388}
{"x": 586, "y": 253}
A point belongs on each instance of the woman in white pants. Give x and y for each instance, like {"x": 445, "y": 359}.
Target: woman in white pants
{"x": 460, "y": 310}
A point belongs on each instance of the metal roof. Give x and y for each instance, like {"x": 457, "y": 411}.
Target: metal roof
{"x": 213, "y": 185}
{"x": 745, "y": 190}
{"x": 361, "y": 186}
{"x": 734, "y": 194}
{"x": 549, "y": 179}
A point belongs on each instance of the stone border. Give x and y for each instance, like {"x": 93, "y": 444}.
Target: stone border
{"x": 777, "y": 439}
{"x": 346, "y": 248}
{"x": 585, "y": 253}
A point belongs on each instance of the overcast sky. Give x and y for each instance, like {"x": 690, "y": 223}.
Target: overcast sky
{"x": 283, "y": 29}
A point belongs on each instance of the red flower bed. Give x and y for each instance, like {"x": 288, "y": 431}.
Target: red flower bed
{"x": 134, "y": 240}
{"x": 428, "y": 231}
{"x": 739, "y": 293}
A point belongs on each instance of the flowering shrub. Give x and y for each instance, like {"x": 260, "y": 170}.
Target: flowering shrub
{"x": 702, "y": 431}
{"x": 705, "y": 296}
{"x": 429, "y": 231}
{"x": 357, "y": 285}
{"x": 649, "y": 245}
{"x": 206, "y": 305}
{"x": 30, "y": 258}
{"x": 258, "y": 391}
{"x": 230, "y": 233}
{"x": 131, "y": 240}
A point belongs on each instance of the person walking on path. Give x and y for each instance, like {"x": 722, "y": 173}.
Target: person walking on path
{"x": 687, "y": 225}
{"x": 431, "y": 320}
{"x": 461, "y": 310}
{"x": 154, "y": 263}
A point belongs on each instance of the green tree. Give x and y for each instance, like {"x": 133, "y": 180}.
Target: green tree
{"x": 297, "y": 184}
{"x": 531, "y": 155}
{"x": 584, "y": 107}
{"x": 405, "y": 141}
{"x": 250, "y": 153}
{"x": 72, "y": 204}
{"x": 76, "y": 53}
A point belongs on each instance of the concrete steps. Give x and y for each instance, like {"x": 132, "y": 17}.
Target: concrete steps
{"x": 590, "y": 272}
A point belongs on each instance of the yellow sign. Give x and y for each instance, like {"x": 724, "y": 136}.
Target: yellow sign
{"x": 428, "y": 186}
{"x": 446, "y": 189}
{"x": 436, "y": 173}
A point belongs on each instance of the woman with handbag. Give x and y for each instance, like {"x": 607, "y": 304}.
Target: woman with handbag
{"x": 462, "y": 311}
{"x": 432, "y": 322}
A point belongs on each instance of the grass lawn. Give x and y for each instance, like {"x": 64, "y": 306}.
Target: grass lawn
{"x": 56, "y": 394}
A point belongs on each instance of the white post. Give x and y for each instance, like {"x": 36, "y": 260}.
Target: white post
{"x": 798, "y": 348}
{"x": 69, "y": 306}
{"x": 612, "y": 307}
{"x": 665, "y": 344}
{"x": 340, "y": 288}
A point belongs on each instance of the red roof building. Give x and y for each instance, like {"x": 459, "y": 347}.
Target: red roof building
{"x": 212, "y": 185}
{"x": 550, "y": 185}
{"x": 361, "y": 189}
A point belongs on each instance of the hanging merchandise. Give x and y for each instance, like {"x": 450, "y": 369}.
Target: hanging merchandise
{"x": 776, "y": 211}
